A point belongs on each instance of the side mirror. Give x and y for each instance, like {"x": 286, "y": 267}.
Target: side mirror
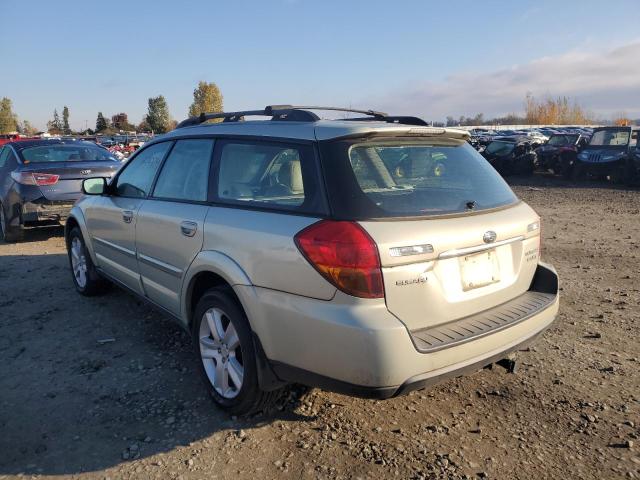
{"x": 94, "y": 186}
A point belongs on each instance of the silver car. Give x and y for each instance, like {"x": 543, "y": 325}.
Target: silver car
{"x": 371, "y": 256}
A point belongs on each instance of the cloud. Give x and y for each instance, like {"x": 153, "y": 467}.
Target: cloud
{"x": 604, "y": 83}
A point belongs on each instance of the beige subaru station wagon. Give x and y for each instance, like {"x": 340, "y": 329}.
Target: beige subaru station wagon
{"x": 370, "y": 256}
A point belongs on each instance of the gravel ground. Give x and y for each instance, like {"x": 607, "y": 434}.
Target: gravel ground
{"x": 107, "y": 388}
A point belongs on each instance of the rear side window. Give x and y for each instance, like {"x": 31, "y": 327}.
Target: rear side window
{"x": 268, "y": 175}
{"x": 137, "y": 176}
{"x": 407, "y": 178}
{"x": 4, "y": 154}
{"x": 185, "y": 174}
{"x": 8, "y": 159}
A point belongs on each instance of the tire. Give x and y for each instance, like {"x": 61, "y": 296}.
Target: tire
{"x": 226, "y": 355}
{"x": 86, "y": 278}
{"x": 565, "y": 165}
{"x": 579, "y": 171}
{"x": 9, "y": 234}
{"x": 526, "y": 165}
{"x": 619, "y": 175}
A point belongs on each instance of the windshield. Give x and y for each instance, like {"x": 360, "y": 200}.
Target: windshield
{"x": 610, "y": 137}
{"x": 560, "y": 140}
{"x": 412, "y": 178}
{"x": 500, "y": 148}
{"x": 65, "y": 153}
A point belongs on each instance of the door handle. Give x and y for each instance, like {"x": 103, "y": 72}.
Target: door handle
{"x": 127, "y": 216}
{"x": 188, "y": 229}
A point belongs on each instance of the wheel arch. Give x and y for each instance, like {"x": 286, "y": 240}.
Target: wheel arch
{"x": 209, "y": 269}
{"x": 76, "y": 219}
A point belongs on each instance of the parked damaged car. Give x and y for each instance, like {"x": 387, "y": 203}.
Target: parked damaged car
{"x": 40, "y": 180}
{"x": 511, "y": 155}
{"x": 612, "y": 153}
{"x": 559, "y": 154}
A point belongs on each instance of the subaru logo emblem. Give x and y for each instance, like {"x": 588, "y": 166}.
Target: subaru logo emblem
{"x": 85, "y": 172}
{"x": 489, "y": 236}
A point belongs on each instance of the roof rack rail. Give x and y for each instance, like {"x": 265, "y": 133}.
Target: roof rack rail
{"x": 401, "y": 119}
{"x": 296, "y": 113}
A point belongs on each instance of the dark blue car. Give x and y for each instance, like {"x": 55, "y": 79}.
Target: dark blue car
{"x": 613, "y": 153}
{"x": 40, "y": 180}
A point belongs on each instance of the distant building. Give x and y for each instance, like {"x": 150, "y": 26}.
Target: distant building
{"x": 120, "y": 121}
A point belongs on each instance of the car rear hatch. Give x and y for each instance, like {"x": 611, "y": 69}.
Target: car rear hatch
{"x": 68, "y": 186}
{"x": 454, "y": 241}
{"x": 437, "y": 271}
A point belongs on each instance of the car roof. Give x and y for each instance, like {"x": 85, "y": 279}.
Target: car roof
{"x": 618, "y": 127}
{"x": 513, "y": 139}
{"x": 316, "y": 130}
{"x": 22, "y": 144}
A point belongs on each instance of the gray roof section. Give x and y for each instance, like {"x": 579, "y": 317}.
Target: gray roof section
{"x": 320, "y": 130}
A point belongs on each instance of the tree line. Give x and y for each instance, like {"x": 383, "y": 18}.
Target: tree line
{"x": 206, "y": 98}
{"x": 545, "y": 111}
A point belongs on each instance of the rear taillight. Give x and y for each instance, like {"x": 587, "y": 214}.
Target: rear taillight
{"x": 537, "y": 227}
{"x": 34, "y": 178}
{"x": 345, "y": 254}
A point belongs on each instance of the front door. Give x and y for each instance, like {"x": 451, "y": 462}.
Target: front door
{"x": 112, "y": 219}
{"x": 170, "y": 223}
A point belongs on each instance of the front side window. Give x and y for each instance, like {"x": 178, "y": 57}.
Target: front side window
{"x": 185, "y": 174}
{"x": 137, "y": 176}
{"x": 265, "y": 174}
{"x": 406, "y": 178}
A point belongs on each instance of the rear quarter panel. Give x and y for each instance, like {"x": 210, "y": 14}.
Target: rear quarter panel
{"x": 262, "y": 244}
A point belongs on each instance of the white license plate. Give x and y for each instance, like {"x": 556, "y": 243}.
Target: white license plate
{"x": 479, "y": 270}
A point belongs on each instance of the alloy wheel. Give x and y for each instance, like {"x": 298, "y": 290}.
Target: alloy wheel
{"x": 221, "y": 353}
{"x": 3, "y": 222}
{"x": 78, "y": 262}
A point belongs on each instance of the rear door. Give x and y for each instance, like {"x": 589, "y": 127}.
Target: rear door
{"x": 170, "y": 224}
{"x": 112, "y": 218}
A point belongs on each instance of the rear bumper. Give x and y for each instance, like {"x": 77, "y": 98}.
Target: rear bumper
{"x": 356, "y": 347}
{"x": 42, "y": 210}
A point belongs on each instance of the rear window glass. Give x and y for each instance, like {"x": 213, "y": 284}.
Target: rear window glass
{"x": 66, "y": 153}
{"x": 500, "y": 148}
{"x": 413, "y": 178}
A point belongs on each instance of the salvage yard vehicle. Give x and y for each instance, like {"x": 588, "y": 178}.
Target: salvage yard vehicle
{"x": 559, "y": 153}
{"x": 369, "y": 256}
{"x": 511, "y": 155}
{"x": 611, "y": 153}
{"x": 41, "y": 179}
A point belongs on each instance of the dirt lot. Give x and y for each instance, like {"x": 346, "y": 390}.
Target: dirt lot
{"x": 76, "y": 406}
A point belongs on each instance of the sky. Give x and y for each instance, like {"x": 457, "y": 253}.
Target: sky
{"x": 425, "y": 58}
